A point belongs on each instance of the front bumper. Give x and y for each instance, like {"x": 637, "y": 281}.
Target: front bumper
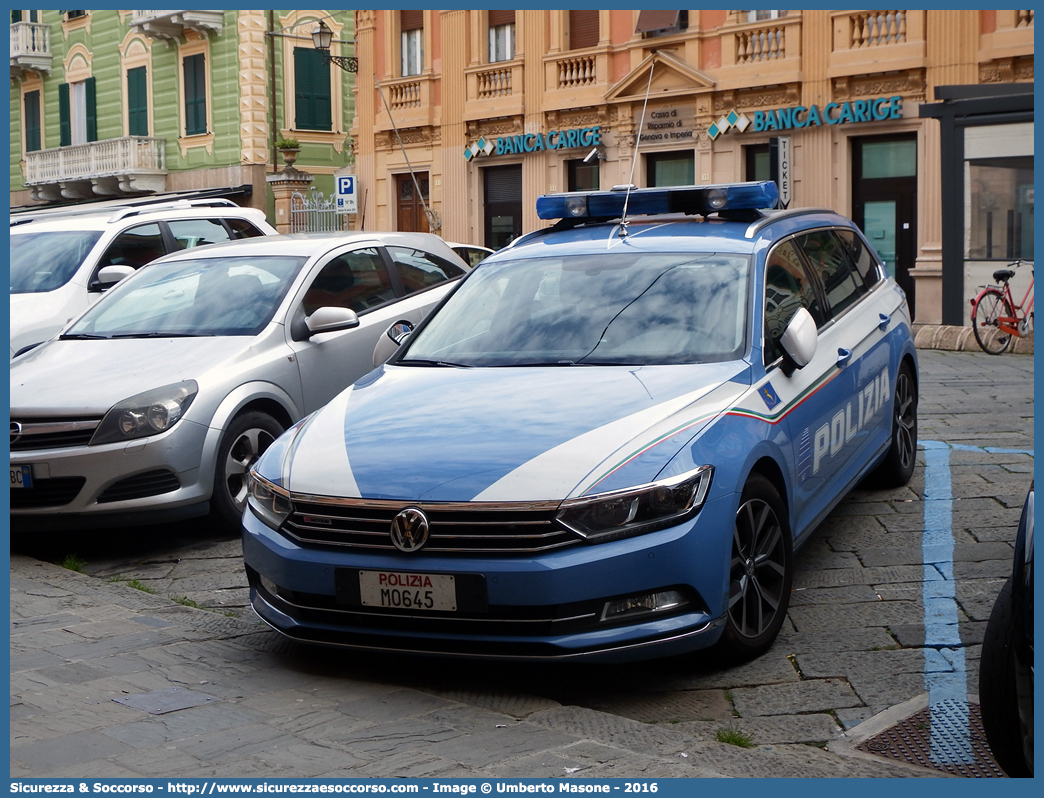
{"x": 145, "y": 480}
{"x": 543, "y": 607}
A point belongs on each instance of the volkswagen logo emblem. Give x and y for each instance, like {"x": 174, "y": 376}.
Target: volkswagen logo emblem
{"x": 16, "y": 431}
{"x": 409, "y": 529}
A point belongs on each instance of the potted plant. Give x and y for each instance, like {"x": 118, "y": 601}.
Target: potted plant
{"x": 289, "y": 149}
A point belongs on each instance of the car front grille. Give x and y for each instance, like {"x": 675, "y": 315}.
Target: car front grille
{"x": 47, "y": 492}
{"x": 460, "y": 528}
{"x": 51, "y": 433}
{"x": 151, "y": 483}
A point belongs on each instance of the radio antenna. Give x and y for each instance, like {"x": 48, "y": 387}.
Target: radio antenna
{"x": 634, "y": 158}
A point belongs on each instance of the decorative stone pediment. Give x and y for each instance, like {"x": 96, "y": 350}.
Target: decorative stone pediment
{"x": 671, "y": 77}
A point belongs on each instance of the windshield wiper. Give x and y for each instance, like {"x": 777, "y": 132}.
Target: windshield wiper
{"x": 161, "y": 335}
{"x": 446, "y": 363}
{"x": 536, "y": 363}
{"x": 82, "y": 337}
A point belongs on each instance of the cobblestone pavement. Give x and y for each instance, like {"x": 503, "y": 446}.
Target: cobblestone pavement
{"x": 854, "y": 643}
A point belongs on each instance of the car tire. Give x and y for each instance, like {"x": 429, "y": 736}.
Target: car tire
{"x": 998, "y": 699}
{"x": 247, "y": 437}
{"x": 760, "y": 572}
{"x": 898, "y": 465}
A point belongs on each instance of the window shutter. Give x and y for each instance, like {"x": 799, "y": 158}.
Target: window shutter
{"x": 501, "y": 17}
{"x": 411, "y": 19}
{"x": 32, "y": 121}
{"x": 583, "y": 29}
{"x": 92, "y": 112}
{"x": 322, "y": 90}
{"x": 195, "y": 95}
{"x": 302, "y": 89}
{"x": 137, "y": 102}
{"x": 64, "y": 118}
{"x": 312, "y": 92}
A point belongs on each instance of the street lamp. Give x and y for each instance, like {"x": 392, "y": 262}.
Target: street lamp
{"x": 322, "y": 37}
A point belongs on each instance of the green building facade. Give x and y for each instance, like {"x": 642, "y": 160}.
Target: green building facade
{"x": 108, "y": 104}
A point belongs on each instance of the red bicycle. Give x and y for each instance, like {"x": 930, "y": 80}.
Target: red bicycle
{"x": 996, "y": 319}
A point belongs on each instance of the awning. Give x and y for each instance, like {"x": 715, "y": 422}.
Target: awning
{"x": 649, "y": 21}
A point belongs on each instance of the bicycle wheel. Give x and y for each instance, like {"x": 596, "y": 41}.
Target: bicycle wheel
{"x": 991, "y": 305}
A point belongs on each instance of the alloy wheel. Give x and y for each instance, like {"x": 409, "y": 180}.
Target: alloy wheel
{"x": 249, "y": 446}
{"x": 757, "y": 573}
{"x": 905, "y": 419}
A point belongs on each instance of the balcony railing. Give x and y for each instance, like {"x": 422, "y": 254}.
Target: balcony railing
{"x": 1024, "y": 19}
{"x": 766, "y": 44}
{"x": 30, "y": 47}
{"x": 868, "y": 42}
{"x": 494, "y": 83}
{"x": 494, "y": 89}
{"x": 760, "y": 52}
{"x": 405, "y": 95}
{"x": 410, "y": 102}
{"x": 877, "y": 28}
{"x": 125, "y": 159}
{"x": 172, "y": 24}
{"x": 577, "y": 71}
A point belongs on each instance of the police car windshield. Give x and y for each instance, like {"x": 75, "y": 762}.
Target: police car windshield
{"x": 607, "y": 309}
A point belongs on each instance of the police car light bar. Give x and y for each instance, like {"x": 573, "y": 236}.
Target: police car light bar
{"x": 700, "y": 200}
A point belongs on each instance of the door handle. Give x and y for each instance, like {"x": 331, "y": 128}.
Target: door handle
{"x": 884, "y": 321}
{"x": 843, "y": 356}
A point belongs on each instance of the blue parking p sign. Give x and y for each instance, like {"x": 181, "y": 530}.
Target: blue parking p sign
{"x": 347, "y": 199}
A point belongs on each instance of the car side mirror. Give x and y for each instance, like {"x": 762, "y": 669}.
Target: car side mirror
{"x": 330, "y": 319}
{"x": 798, "y": 341}
{"x": 108, "y": 276}
{"x": 394, "y": 337}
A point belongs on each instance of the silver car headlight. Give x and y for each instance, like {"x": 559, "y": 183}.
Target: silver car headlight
{"x": 634, "y": 511}
{"x": 268, "y": 501}
{"x": 148, "y": 413}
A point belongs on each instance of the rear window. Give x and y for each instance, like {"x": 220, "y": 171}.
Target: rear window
{"x": 831, "y": 263}
{"x": 420, "y": 270}
{"x": 241, "y": 228}
{"x": 189, "y": 233}
{"x": 862, "y": 257}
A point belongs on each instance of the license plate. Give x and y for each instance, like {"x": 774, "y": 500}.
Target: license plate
{"x": 21, "y": 476}
{"x": 406, "y": 591}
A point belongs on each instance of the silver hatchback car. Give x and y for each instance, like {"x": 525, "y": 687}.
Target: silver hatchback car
{"x": 154, "y": 403}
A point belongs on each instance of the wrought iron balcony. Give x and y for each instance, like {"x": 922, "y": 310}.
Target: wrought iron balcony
{"x": 127, "y": 165}
{"x": 172, "y": 24}
{"x": 30, "y": 48}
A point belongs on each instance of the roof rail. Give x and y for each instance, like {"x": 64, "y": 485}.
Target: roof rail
{"x": 214, "y": 202}
{"x": 775, "y": 216}
{"x": 120, "y": 211}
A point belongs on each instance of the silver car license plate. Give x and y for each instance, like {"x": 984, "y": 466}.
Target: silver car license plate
{"x": 408, "y": 591}
{"x": 21, "y": 476}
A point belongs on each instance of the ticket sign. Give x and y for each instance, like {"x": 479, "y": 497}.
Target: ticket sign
{"x": 347, "y": 195}
{"x": 780, "y": 167}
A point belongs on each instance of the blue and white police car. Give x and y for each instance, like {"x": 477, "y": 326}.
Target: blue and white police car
{"x": 606, "y": 443}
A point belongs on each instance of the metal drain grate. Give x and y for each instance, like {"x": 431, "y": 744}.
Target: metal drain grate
{"x": 947, "y": 736}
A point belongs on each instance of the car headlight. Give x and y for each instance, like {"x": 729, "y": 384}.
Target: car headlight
{"x": 146, "y": 414}
{"x": 637, "y": 510}
{"x": 268, "y": 502}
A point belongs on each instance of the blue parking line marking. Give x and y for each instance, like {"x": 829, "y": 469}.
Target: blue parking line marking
{"x": 945, "y": 674}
